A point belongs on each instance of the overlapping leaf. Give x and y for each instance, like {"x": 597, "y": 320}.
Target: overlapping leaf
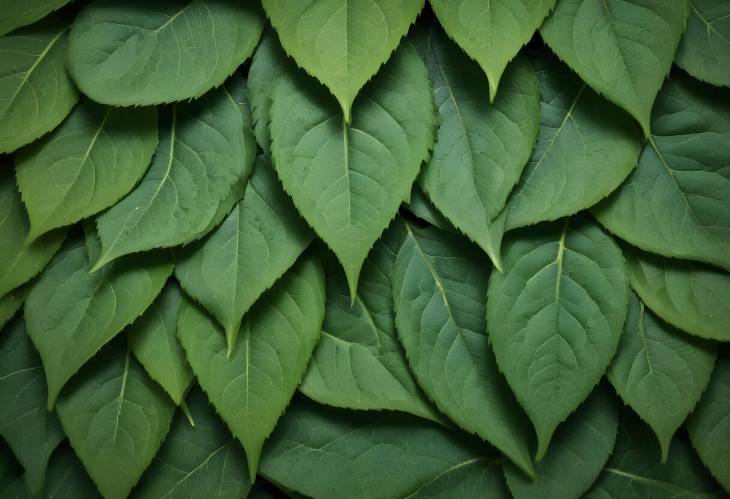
{"x": 704, "y": 51}
{"x": 17, "y": 13}
{"x": 11, "y": 303}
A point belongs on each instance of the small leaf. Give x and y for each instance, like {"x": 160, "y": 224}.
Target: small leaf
{"x": 439, "y": 285}
{"x": 197, "y": 174}
{"x": 32, "y": 432}
{"x": 422, "y": 207}
{"x": 348, "y": 181}
{"x": 17, "y": 13}
{"x": 704, "y": 51}
{"x": 72, "y": 313}
{"x": 201, "y": 461}
{"x": 341, "y": 44}
{"x": 251, "y": 388}
{"x": 36, "y": 94}
{"x": 255, "y": 245}
{"x": 115, "y": 418}
{"x": 95, "y": 157}
{"x": 555, "y": 317}
{"x": 129, "y": 53}
{"x": 153, "y": 340}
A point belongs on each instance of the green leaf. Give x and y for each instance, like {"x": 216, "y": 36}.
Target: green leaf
{"x": 577, "y": 455}
{"x": 160, "y": 51}
{"x": 342, "y": 44}
{"x": 660, "y": 372}
{"x": 153, "y": 340}
{"x": 36, "y": 93}
{"x": 348, "y": 181}
{"x": 555, "y": 316}
{"x": 115, "y": 418}
{"x": 491, "y": 33}
{"x": 477, "y": 477}
{"x": 358, "y": 363}
{"x": 31, "y": 431}
{"x": 624, "y": 50}
{"x": 95, "y": 157}
{"x": 422, "y": 207}
{"x": 19, "y": 260}
{"x": 10, "y": 469}
{"x": 197, "y": 174}
{"x": 634, "y": 469}
{"x": 11, "y": 303}
{"x": 196, "y": 462}
{"x": 710, "y": 424}
{"x": 255, "y": 245}
{"x": 480, "y": 148}
{"x": 704, "y": 51}
{"x": 439, "y": 285}
{"x": 17, "y": 13}
{"x": 66, "y": 477}
{"x": 251, "y": 388}
{"x": 675, "y": 203}
{"x": 326, "y": 452}
{"x": 585, "y": 148}
{"x": 72, "y": 313}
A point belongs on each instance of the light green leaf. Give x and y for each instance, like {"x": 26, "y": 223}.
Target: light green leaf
{"x": 115, "y": 418}
{"x": 585, "y": 148}
{"x": 348, "y": 181}
{"x": 72, "y": 313}
{"x": 95, "y": 157}
{"x": 704, "y": 51}
{"x": 159, "y": 51}
{"x": 675, "y": 203}
{"x": 342, "y": 44}
{"x": 491, "y": 33}
{"x": 66, "y": 477}
{"x": 577, "y": 455}
{"x": 36, "y": 93}
{"x": 251, "y": 388}
{"x": 19, "y": 260}
{"x": 255, "y": 245}
{"x": 709, "y": 426}
{"x": 31, "y": 431}
{"x": 11, "y": 303}
{"x": 555, "y": 317}
{"x": 203, "y": 461}
{"x": 481, "y": 148}
{"x": 358, "y": 363}
{"x": 153, "y": 340}
{"x": 634, "y": 469}
{"x": 439, "y": 286}
{"x": 197, "y": 174}
{"x": 17, "y": 13}
{"x": 660, "y": 372}
{"x": 624, "y": 50}
{"x": 326, "y": 452}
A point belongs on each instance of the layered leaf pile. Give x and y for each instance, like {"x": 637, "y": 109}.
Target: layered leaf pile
{"x": 365, "y": 249}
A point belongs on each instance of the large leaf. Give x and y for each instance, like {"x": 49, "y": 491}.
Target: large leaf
{"x": 579, "y": 451}
{"x": 203, "y": 461}
{"x": 17, "y": 13}
{"x": 11, "y": 303}
{"x": 153, "y": 340}
{"x": 358, "y": 363}
{"x": 660, "y": 372}
{"x": 624, "y": 50}
{"x": 439, "y": 286}
{"x": 342, "y": 44}
{"x": 480, "y": 148}
{"x": 115, "y": 418}
{"x": 675, "y": 203}
{"x": 19, "y": 259}
{"x": 130, "y": 53}
{"x": 585, "y": 148}
{"x": 25, "y": 424}
{"x": 197, "y": 174}
{"x": 87, "y": 164}
{"x": 709, "y": 426}
{"x": 704, "y": 51}
{"x": 36, "y": 93}
{"x": 477, "y": 477}
{"x": 491, "y": 33}
{"x": 634, "y": 469}
{"x": 555, "y": 316}
{"x": 259, "y": 240}
{"x": 72, "y": 313}
{"x": 251, "y": 388}
{"x": 348, "y": 180}
{"x": 326, "y": 452}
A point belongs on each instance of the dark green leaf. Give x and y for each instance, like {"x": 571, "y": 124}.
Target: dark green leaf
{"x": 704, "y": 51}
